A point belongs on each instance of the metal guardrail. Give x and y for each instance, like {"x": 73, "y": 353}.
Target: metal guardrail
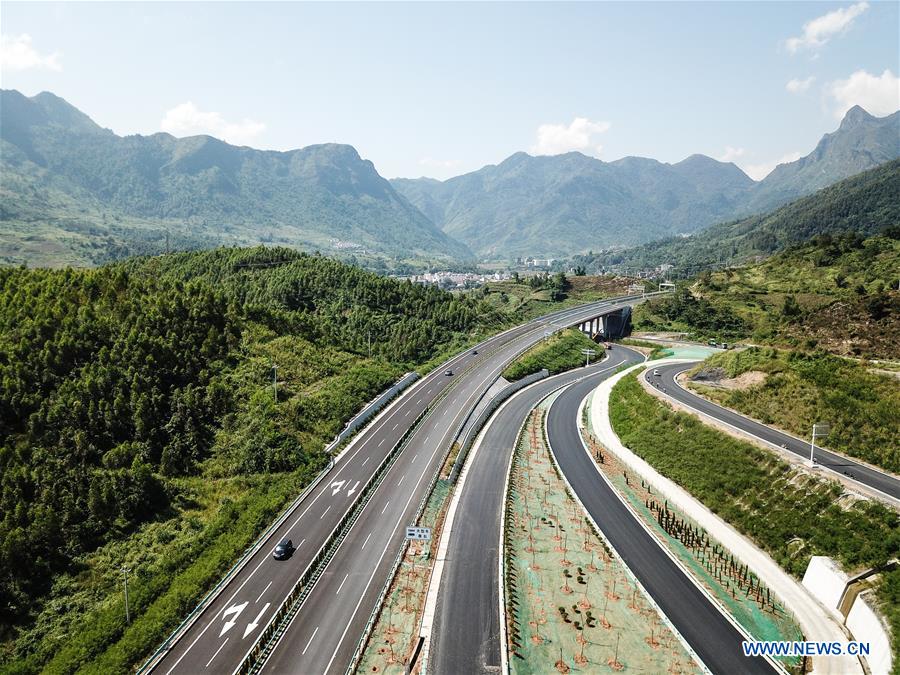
{"x": 472, "y": 433}
{"x": 371, "y": 408}
{"x": 257, "y": 656}
{"x": 282, "y": 618}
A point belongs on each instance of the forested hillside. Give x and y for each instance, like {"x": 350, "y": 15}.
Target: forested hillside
{"x": 75, "y": 193}
{"x": 864, "y": 204}
{"x": 567, "y": 204}
{"x": 138, "y": 423}
{"x": 838, "y": 293}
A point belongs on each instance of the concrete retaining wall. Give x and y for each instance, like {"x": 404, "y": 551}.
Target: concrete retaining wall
{"x": 866, "y": 626}
{"x": 826, "y": 581}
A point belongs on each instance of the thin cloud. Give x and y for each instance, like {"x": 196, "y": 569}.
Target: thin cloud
{"x": 797, "y": 86}
{"x": 17, "y": 53}
{"x": 580, "y": 135}
{"x": 878, "y": 94}
{"x": 820, "y": 30}
{"x": 731, "y": 154}
{"x": 187, "y": 119}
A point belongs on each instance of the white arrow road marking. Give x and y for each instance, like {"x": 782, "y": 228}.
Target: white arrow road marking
{"x": 336, "y": 486}
{"x": 253, "y": 624}
{"x": 236, "y": 611}
{"x": 353, "y": 489}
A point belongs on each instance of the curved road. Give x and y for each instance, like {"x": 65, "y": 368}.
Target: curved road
{"x": 866, "y": 475}
{"x": 323, "y": 635}
{"x": 714, "y": 639}
{"x": 226, "y": 629}
{"x": 466, "y": 631}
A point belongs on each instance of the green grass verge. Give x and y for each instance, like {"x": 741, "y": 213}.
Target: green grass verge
{"x": 888, "y": 591}
{"x": 801, "y": 389}
{"x": 789, "y": 514}
{"x": 658, "y": 351}
{"x": 557, "y": 353}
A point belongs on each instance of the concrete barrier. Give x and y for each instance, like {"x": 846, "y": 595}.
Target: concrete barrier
{"x": 826, "y": 581}
{"x": 867, "y": 626}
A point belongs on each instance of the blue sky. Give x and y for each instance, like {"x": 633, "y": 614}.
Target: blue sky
{"x": 438, "y": 89}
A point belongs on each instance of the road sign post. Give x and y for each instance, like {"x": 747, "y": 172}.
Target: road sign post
{"x": 418, "y": 533}
{"x": 588, "y": 353}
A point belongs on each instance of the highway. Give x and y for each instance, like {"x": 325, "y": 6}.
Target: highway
{"x": 866, "y": 475}
{"x": 712, "y": 637}
{"x": 324, "y": 634}
{"x": 465, "y": 636}
{"x": 225, "y": 631}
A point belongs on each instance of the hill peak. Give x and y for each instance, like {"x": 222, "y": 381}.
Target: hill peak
{"x": 854, "y": 117}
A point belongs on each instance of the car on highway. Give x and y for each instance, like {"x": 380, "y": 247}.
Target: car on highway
{"x": 284, "y": 550}
{"x": 448, "y": 372}
{"x": 655, "y": 372}
{"x": 474, "y": 352}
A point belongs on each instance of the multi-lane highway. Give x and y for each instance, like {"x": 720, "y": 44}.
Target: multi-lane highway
{"x": 712, "y": 637}
{"x": 221, "y": 636}
{"x": 323, "y": 636}
{"x": 866, "y": 475}
{"x": 465, "y": 635}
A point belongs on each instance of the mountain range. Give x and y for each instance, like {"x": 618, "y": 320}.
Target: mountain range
{"x": 863, "y": 205}
{"x": 564, "y": 204}
{"x": 72, "y": 192}
{"x": 66, "y": 176}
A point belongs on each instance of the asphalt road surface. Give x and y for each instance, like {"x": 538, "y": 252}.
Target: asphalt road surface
{"x": 324, "y": 634}
{"x": 861, "y": 473}
{"x": 225, "y": 631}
{"x": 466, "y": 631}
{"x": 712, "y": 637}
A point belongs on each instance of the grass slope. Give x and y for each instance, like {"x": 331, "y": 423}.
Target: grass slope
{"x": 557, "y": 353}
{"x": 837, "y": 293}
{"x": 789, "y": 514}
{"x": 802, "y": 389}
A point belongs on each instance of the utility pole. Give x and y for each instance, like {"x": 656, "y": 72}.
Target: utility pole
{"x": 125, "y": 572}
{"x": 819, "y": 430}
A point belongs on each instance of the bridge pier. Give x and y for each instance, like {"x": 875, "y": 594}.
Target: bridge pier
{"x": 608, "y": 326}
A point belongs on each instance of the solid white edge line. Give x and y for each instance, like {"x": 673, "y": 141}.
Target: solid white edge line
{"x": 380, "y": 419}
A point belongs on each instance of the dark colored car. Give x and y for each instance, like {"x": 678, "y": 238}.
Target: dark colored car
{"x": 448, "y": 373}
{"x": 474, "y": 352}
{"x": 284, "y": 550}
